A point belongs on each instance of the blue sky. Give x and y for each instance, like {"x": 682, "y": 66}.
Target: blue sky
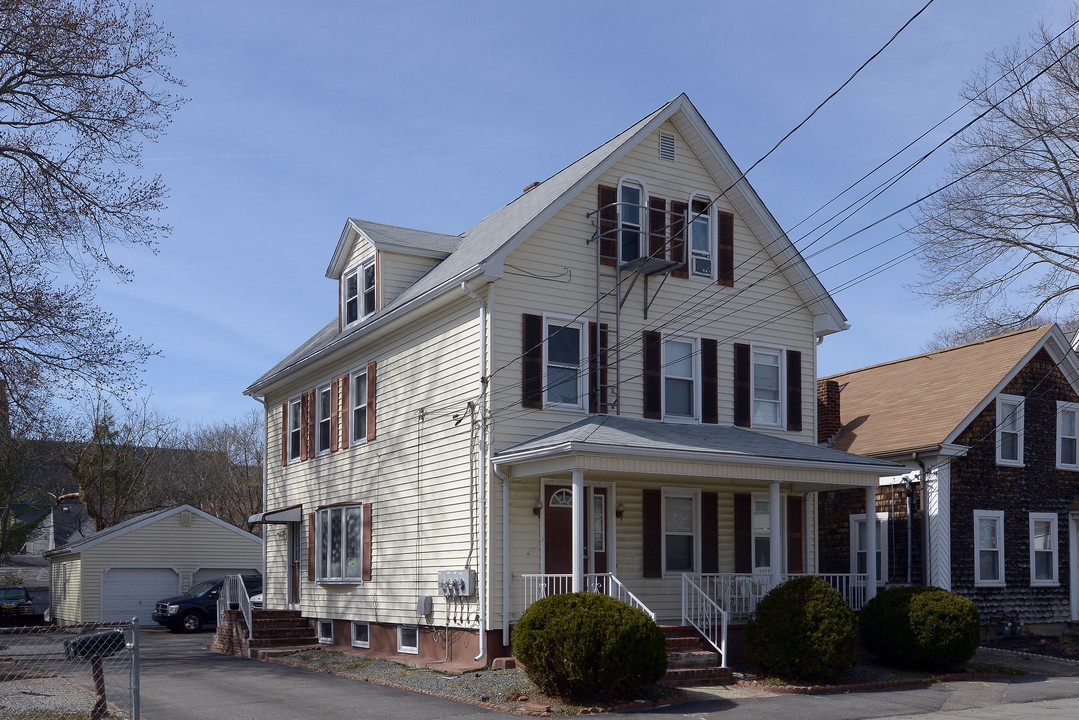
{"x": 434, "y": 114}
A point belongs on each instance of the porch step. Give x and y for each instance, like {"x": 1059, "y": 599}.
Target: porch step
{"x": 692, "y": 661}
{"x": 270, "y": 629}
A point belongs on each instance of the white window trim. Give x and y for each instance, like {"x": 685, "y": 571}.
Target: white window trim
{"x": 1055, "y": 541}
{"x": 359, "y": 271}
{"x": 1063, "y": 407}
{"x": 642, "y": 239}
{"x": 696, "y": 379}
{"x": 408, "y": 649}
{"x": 295, "y": 402}
{"x": 998, "y": 515}
{"x": 1019, "y": 420}
{"x": 582, "y": 364}
{"x": 321, "y": 514}
{"x": 323, "y": 638}
{"x": 713, "y": 235}
{"x": 781, "y": 353}
{"x": 882, "y": 545}
{"x": 695, "y": 494}
{"x": 360, "y": 372}
{"x": 319, "y": 419}
{"x": 361, "y": 643}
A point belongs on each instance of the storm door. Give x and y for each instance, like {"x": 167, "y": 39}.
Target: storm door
{"x": 558, "y": 530}
{"x": 294, "y": 555}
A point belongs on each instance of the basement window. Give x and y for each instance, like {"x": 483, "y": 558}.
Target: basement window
{"x": 361, "y": 634}
{"x": 325, "y": 632}
{"x": 408, "y": 639}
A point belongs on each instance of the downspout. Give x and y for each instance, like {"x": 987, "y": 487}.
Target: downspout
{"x": 481, "y": 579}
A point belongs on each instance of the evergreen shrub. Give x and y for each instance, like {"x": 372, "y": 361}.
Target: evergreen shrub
{"x": 925, "y": 628}
{"x": 589, "y": 646}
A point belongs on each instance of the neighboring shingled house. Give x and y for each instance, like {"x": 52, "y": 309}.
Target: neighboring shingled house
{"x": 988, "y": 432}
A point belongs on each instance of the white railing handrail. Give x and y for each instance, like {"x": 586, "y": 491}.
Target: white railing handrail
{"x": 626, "y": 596}
{"x": 536, "y": 586}
{"x": 704, "y": 615}
{"x": 739, "y": 593}
{"x": 234, "y": 592}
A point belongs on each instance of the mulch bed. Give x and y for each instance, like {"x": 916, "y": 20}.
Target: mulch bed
{"x": 1064, "y": 646}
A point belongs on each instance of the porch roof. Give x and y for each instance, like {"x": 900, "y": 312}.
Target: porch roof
{"x": 671, "y": 446}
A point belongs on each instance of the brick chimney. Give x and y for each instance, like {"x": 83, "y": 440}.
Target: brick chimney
{"x": 829, "y": 421}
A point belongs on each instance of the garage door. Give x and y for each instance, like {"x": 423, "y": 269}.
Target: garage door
{"x": 132, "y": 592}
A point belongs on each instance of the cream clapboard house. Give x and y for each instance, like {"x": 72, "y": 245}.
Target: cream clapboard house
{"x": 607, "y": 384}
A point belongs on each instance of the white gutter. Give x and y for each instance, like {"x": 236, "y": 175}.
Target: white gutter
{"x": 505, "y": 554}
{"x": 482, "y": 570}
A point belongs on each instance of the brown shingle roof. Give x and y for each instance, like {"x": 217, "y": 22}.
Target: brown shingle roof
{"x": 915, "y": 403}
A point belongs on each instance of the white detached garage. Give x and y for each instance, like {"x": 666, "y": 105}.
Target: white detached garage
{"x": 121, "y": 571}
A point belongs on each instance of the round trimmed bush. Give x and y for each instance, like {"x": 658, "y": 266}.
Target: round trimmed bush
{"x": 584, "y": 646}
{"x": 802, "y": 630}
{"x": 921, "y": 627}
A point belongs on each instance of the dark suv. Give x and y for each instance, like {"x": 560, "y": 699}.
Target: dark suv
{"x": 16, "y": 607}
{"x": 198, "y": 606}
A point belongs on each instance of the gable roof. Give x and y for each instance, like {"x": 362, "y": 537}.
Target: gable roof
{"x": 483, "y": 247}
{"x": 140, "y": 521}
{"x": 619, "y": 433}
{"x": 921, "y": 403}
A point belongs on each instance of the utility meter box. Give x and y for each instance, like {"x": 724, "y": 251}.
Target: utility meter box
{"x": 457, "y": 583}
{"x": 423, "y": 605}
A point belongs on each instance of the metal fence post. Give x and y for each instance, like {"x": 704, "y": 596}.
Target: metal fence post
{"x": 135, "y": 668}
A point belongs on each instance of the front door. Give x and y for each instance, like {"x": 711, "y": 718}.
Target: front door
{"x": 293, "y": 540}
{"x": 558, "y": 530}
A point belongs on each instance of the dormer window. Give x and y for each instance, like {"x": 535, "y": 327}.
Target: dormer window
{"x": 359, "y": 292}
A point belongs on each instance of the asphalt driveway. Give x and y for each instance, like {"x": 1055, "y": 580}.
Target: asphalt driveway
{"x": 181, "y": 680}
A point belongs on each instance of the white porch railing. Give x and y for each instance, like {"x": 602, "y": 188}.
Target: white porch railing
{"x": 703, "y": 613}
{"x": 533, "y": 587}
{"x": 233, "y": 596}
{"x": 739, "y": 593}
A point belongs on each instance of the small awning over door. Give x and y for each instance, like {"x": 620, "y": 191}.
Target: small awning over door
{"x": 281, "y": 515}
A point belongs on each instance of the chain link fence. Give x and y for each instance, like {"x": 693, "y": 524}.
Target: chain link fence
{"x": 73, "y": 672}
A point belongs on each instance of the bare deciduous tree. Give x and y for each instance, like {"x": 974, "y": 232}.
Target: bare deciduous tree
{"x": 83, "y": 84}
{"x": 960, "y": 335}
{"x": 1002, "y": 243}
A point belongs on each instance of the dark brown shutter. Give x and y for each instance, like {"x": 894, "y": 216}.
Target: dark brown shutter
{"x": 741, "y": 385}
{"x": 653, "y": 534}
{"x": 795, "y": 523}
{"x": 346, "y": 410}
{"x": 678, "y": 238}
{"x": 284, "y": 434}
{"x": 335, "y": 413}
{"x": 371, "y": 387}
{"x": 608, "y": 225}
{"x": 311, "y": 546}
{"x": 597, "y": 368}
{"x": 794, "y": 390}
{"x": 709, "y": 381}
{"x": 709, "y": 532}
{"x": 725, "y": 261}
{"x": 532, "y": 361}
{"x": 743, "y": 533}
{"x": 653, "y": 375}
{"x": 366, "y": 550}
{"x": 657, "y": 228}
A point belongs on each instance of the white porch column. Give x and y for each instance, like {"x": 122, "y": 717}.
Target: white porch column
{"x": 871, "y": 542}
{"x": 775, "y": 534}
{"x": 578, "y": 531}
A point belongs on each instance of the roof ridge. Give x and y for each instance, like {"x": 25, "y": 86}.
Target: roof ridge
{"x": 941, "y": 351}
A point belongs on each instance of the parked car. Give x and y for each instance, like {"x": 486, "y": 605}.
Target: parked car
{"x": 17, "y": 607}
{"x": 197, "y": 608}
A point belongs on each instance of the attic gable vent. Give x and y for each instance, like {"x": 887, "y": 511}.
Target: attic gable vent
{"x": 666, "y": 146}
{"x": 185, "y": 518}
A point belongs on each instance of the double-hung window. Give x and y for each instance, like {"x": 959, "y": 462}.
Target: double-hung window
{"x": 564, "y": 362}
{"x": 988, "y": 547}
{"x": 340, "y": 544}
{"x": 767, "y": 387}
{"x": 1043, "y": 549}
{"x": 858, "y": 546}
{"x": 630, "y": 217}
{"x": 295, "y": 428}
{"x": 1009, "y": 430}
{"x": 681, "y": 534}
{"x": 680, "y": 383}
{"x": 358, "y": 403}
{"x": 323, "y": 414}
{"x": 762, "y": 531}
{"x": 1067, "y": 442}
{"x": 359, "y": 292}
{"x": 701, "y": 237}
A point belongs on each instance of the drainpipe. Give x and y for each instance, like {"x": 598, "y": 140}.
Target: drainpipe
{"x": 481, "y": 579}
